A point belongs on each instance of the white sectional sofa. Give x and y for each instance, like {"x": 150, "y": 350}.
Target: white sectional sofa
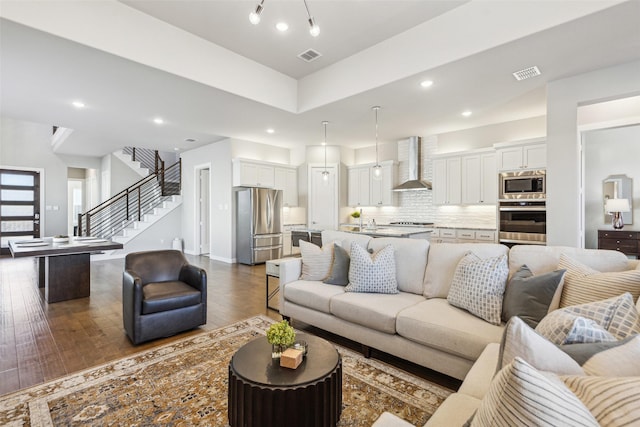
{"x": 418, "y": 324}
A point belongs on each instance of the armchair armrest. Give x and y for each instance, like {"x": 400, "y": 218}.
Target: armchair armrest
{"x": 194, "y": 276}
{"x": 290, "y": 271}
{"x": 131, "y": 297}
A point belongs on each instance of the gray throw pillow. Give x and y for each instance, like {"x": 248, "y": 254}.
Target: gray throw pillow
{"x": 339, "y": 274}
{"x": 528, "y": 296}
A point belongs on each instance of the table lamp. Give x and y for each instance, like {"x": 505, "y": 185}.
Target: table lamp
{"x": 615, "y": 207}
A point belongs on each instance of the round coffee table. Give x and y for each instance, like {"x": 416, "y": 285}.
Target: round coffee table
{"x": 262, "y": 393}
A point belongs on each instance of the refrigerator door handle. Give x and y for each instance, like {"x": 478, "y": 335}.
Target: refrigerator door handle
{"x": 267, "y": 248}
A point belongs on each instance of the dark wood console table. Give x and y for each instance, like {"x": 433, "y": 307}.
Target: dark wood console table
{"x": 64, "y": 269}
{"x": 261, "y": 393}
{"x": 625, "y": 241}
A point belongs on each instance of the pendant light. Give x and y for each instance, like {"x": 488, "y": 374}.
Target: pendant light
{"x": 377, "y": 169}
{"x": 325, "y": 173}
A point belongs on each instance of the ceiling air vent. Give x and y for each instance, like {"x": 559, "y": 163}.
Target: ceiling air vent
{"x": 309, "y": 55}
{"x": 526, "y": 73}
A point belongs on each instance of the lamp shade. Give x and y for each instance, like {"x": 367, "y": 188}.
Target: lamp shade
{"x": 617, "y": 205}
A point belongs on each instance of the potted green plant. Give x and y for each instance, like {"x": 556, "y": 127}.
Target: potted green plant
{"x": 355, "y": 215}
{"x": 280, "y": 335}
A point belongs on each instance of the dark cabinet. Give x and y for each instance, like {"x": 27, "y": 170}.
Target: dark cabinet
{"x": 627, "y": 242}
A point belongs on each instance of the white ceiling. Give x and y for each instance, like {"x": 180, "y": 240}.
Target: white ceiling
{"x": 374, "y": 53}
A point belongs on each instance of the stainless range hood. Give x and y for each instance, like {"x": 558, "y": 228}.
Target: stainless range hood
{"x": 414, "y": 183}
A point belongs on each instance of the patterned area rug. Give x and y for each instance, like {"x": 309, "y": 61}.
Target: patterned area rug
{"x": 185, "y": 383}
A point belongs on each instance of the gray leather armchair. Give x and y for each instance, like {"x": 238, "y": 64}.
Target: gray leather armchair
{"x": 162, "y": 294}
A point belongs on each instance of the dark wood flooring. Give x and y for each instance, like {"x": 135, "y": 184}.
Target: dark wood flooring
{"x": 41, "y": 341}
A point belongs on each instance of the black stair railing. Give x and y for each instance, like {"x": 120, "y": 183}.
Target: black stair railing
{"x": 112, "y": 216}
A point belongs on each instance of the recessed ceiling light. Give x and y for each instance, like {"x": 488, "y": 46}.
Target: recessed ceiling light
{"x": 176, "y": 149}
{"x": 426, "y": 83}
{"x": 282, "y": 26}
{"x": 158, "y": 121}
{"x": 466, "y": 113}
{"x": 270, "y": 130}
{"x": 78, "y": 104}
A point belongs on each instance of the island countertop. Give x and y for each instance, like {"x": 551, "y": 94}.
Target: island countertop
{"x": 413, "y": 232}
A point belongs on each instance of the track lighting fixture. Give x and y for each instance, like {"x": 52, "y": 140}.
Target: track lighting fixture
{"x": 314, "y": 29}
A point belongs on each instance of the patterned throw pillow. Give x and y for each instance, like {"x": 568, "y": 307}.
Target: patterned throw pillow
{"x": 561, "y": 327}
{"x": 520, "y": 396}
{"x": 478, "y": 286}
{"x": 582, "y": 284}
{"x": 614, "y": 402}
{"x": 372, "y": 273}
{"x": 617, "y": 315}
{"x": 316, "y": 261}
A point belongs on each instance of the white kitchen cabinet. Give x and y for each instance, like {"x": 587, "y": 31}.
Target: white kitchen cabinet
{"x": 382, "y": 193}
{"x": 447, "y": 180}
{"x": 521, "y": 156}
{"x": 462, "y": 235}
{"x": 286, "y": 179}
{"x": 252, "y": 174}
{"x": 359, "y": 189}
{"x": 479, "y": 179}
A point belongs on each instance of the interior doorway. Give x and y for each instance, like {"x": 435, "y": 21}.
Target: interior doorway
{"x": 203, "y": 210}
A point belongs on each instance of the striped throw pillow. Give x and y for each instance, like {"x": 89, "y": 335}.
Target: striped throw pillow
{"x": 316, "y": 261}
{"x": 583, "y": 284}
{"x": 521, "y": 396}
{"x": 613, "y": 401}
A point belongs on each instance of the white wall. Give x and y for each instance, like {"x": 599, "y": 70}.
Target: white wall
{"x": 564, "y": 203}
{"x": 218, "y": 157}
{"x": 28, "y": 145}
{"x": 122, "y": 176}
{"x": 256, "y": 151}
{"x": 609, "y": 152}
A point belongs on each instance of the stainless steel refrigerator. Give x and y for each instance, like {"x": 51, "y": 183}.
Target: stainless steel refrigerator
{"x": 258, "y": 225}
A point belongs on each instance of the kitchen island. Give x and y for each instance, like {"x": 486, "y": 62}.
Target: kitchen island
{"x": 385, "y": 231}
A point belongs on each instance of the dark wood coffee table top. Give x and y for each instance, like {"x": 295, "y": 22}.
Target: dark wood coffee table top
{"x": 253, "y": 363}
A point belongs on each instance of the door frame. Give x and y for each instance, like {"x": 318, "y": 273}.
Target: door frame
{"x": 42, "y": 192}
{"x": 196, "y": 206}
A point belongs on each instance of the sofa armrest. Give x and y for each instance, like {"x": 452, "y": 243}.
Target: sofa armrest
{"x": 479, "y": 377}
{"x": 389, "y": 420}
{"x": 290, "y": 271}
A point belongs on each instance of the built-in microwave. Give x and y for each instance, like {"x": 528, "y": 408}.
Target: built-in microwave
{"x": 526, "y": 184}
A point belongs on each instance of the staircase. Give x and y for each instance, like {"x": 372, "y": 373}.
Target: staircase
{"x": 133, "y": 210}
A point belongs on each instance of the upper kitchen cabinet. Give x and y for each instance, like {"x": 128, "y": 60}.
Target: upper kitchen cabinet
{"x": 529, "y": 154}
{"x": 479, "y": 179}
{"x": 359, "y": 191}
{"x": 447, "y": 180}
{"x": 286, "y": 179}
{"x": 382, "y": 193}
{"x": 247, "y": 173}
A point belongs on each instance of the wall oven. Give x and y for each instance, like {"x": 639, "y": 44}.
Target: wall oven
{"x": 526, "y": 184}
{"x": 522, "y": 222}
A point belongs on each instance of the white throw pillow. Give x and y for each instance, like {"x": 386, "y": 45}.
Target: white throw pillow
{"x": 374, "y": 273}
{"x": 521, "y": 396}
{"x": 316, "y": 261}
{"x": 478, "y": 286}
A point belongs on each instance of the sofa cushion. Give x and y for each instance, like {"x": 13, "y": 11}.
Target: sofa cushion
{"x": 339, "y": 273}
{"x": 542, "y": 259}
{"x": 583, "y": 284}
{"x": 478, "y": 286}
{"x": 316, "y": 261}
{"x": 438, "y": 324}
{"x": 375, "y": 311}
{"x": 312, "y": 294}
{"x": 443, "y": 259}
{"x": 411, "y": 261}
{"x": 521, "y": 396}
{"x": 530, "y": 297}
{"x": 164, "y": 296}
{"x": 374, "y": 273}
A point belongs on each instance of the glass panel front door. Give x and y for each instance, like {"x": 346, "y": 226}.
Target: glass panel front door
{"x": 19, "y": 206}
